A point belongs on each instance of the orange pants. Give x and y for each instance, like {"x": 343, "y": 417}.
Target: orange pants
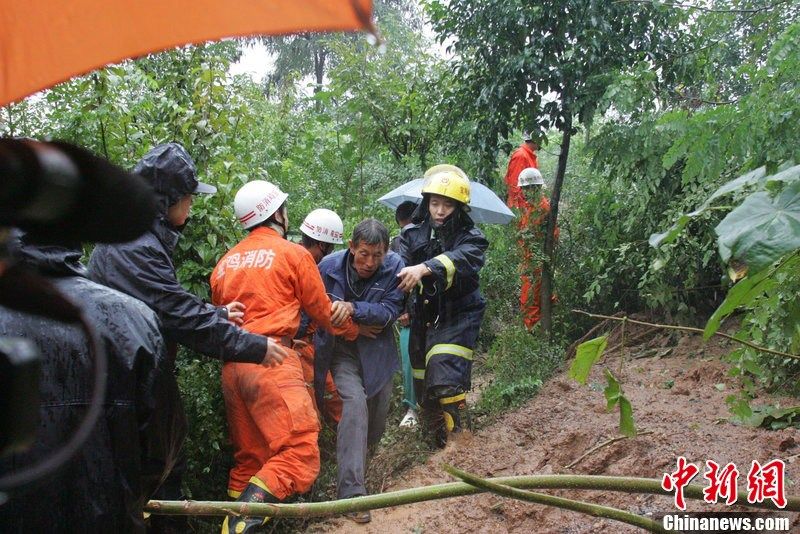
{"x": 273, "y": 426}
{"x": 333, "y": 402}
{"x": 529, "y": 298}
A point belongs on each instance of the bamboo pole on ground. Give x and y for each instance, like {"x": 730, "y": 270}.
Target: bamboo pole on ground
{"x": 440, "y": 491}
{"x": 594, "y": 510}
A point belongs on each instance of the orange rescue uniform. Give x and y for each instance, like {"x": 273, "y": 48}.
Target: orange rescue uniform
{"x": 522, "y": 158}
{"x": 333, "y": 402}
{"x": 534, "y": 219}
{"x": 271, "y": 417}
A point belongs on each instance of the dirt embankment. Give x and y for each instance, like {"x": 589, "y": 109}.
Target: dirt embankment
{"x": 678, "y": 396}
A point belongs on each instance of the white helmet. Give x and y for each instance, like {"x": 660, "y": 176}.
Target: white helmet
{"x": 323, "y": 225}
{"x": 530, "y": 176}
{"x": 256, "y": 201}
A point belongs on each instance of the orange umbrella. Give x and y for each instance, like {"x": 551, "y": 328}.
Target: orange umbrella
{"x": 44, "y": 42}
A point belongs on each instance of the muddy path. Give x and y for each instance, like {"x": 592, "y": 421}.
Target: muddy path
{"x": 677, "y": 386}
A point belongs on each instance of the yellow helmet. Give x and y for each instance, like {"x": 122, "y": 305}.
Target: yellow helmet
{"x": 448, "y": 181}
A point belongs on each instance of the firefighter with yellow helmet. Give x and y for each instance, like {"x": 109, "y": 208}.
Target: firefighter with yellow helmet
{"x": 444, "y": 253}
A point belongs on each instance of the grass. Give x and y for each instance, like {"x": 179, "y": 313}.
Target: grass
{"x": 517, "y": 363}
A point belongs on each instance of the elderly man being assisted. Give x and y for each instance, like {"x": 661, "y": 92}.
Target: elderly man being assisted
{"x": 362, "y": 282}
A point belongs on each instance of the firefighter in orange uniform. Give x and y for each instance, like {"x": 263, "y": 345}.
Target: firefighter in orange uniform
{"x": 532, "y": 228}
{"x": 321, "y": 229}
{"x": 522, "y": 158}
{"x": 271, "y": 416}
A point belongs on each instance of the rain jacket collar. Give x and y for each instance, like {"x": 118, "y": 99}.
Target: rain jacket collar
{"x": 50, "y": 260}
{"x": 166, "y": 234}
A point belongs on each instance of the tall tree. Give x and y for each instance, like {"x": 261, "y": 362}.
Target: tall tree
{"x": 546, "y": 64}
{"x": 316, "y": 53}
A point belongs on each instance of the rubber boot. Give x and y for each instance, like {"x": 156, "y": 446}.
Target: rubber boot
{"x": 456, "y": 414}
{"x": 254, "y": 492}
{"x": 433, "y": 422}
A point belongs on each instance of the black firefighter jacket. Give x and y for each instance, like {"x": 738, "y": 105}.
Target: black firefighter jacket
{"x": 140, "y": 430}
{"x": 143, "y": 268}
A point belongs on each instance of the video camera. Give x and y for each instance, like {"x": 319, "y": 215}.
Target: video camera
{"x": 60, "y": 194}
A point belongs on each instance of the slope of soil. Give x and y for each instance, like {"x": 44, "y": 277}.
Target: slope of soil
{"x": 678, "y": 395}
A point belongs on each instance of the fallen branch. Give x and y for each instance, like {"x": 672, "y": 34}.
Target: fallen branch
{"x": 439, "y": 491}
{"x": 632, "y": 340}
{"x": 604, "y": 444}
{"x": 594, "y": 510}
{"x": 571, "y": 349}
{"x": 691, "y": 329}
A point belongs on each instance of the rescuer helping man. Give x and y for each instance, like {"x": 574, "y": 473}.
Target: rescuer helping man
{"x": 271, "y": 417}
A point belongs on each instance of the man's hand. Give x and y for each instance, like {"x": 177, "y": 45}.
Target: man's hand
{"x": 235, "y": 312}
{"x": 369, "y": 330}
{"x": 341, "y": 311}
{"x": 404, "y": 320}
{"x": 275, "y": 354}
{"x": 410, "y": 276}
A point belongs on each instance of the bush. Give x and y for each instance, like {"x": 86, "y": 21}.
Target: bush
{"x": 499, "y": 281}
{"x": 520, "y": 363}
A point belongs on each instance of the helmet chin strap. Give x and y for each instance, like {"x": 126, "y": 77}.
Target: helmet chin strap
{"x": 283, "y": 226}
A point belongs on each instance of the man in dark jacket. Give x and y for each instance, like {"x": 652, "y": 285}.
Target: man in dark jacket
{"x": 143, "y": 268}
{"x": 362, "y": 282}
{"x": 137, "y": 437}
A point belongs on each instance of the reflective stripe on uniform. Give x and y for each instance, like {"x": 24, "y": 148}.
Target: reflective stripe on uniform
{"x": 449, "y": 267}
{"x": 419, "y": 374}
{"x": 453, "y": 399}
{"x": 448, "y": 348}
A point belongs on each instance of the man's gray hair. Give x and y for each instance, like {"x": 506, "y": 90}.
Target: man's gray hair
{"x": 371, "y": 232}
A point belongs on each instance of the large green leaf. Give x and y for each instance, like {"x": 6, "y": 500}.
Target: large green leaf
{"x": 745, "y": 291}
{"x": 762, "y": 229}
{"x": 585, "y": 357}
{"x": 736, "y": 184}
{"x": 614, "y": 395}
{"x": 787, "y": 173}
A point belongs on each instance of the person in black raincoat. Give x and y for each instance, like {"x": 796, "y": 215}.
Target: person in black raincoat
{"x": 140, "y": 430}
{"x": 143, "y": 268}
{"x": 443, "y": 252}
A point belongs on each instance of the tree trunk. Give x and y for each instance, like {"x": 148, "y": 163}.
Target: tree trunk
{"x": 319, "y": 73}
{"x": 546, "y": 293}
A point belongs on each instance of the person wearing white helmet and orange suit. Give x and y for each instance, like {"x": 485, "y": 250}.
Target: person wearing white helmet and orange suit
{"x": 532, "y": 228}
{"x": 322, "y": 229}
{"x": 271, "y": 416}
{"x": 444, "y": 253}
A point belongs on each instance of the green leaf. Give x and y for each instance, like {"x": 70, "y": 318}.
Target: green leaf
{"x": 656, "y": 240}
{"x": 788, "y": 175}
{"x": 612, "y": 391}
{"x": 736, "y": 184}
{"x": 585, "y": 357}
{"x": 614, "y": 395}
{"x": 761, "y": 229}
{"x": 627, "y": 426}
{"x": 740, "y": 294}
